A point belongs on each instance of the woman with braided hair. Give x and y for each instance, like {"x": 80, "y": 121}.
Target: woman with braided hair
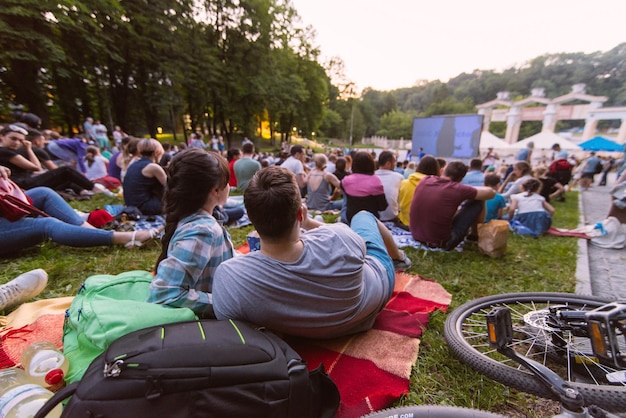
{"x": 194, "y": 243}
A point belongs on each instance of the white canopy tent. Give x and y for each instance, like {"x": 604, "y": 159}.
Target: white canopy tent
{"x": 545, "y": 140}
{"x": 489, "y": 140}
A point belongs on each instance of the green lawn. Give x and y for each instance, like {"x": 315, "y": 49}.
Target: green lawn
{"x": 544, "y": 264}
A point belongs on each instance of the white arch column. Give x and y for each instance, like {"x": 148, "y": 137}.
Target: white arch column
{"x": 513, "y": 124}
{"x": 591, "y": 124}
{"x": 549, "y": 118}
{"x": 486, "y": 118}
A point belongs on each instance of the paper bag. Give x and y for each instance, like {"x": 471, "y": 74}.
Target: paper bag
{"x": 493, "y": 237}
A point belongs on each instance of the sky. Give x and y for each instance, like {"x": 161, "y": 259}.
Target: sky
{"x": 388, "y": 44}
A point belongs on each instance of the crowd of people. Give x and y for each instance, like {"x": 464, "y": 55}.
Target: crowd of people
{"x": 309, "y": 278}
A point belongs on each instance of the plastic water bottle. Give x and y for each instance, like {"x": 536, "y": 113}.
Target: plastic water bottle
{"x": 20, "y": 399}
{"x": 44, "y": 364}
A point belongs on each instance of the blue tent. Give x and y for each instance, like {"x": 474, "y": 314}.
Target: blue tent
{"x": 599, "y": 143}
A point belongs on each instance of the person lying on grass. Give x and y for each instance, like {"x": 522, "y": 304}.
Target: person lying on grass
{"x": 326, "y": 281}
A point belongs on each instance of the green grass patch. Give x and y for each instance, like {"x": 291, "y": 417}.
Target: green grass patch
{"x": 544, "y": 264}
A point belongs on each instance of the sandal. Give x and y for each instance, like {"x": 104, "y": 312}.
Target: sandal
{"x": 135, "y": 243}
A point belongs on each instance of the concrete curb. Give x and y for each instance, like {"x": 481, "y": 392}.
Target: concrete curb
{"x": 583, "y": 275}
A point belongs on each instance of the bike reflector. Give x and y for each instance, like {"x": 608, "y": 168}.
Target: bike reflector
{"x": 606, "y": 326}
{"x": 499, "y": 327}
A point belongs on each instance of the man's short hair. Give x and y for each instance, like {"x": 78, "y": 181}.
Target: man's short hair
{"x": 296, "y": 149}
{"x": 385, "y": 157}
{"x": 456, "y": 170}
{"x": 476, "y": 164}
{"x": 248, "y": 148}
{"x": 492, "y": 180}
{"x": 272, "y": 201}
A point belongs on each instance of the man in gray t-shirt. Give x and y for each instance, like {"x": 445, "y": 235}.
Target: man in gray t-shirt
{"x": 327, "y": 281}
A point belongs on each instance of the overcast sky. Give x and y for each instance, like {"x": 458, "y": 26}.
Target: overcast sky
{"x": 387, "y": 44}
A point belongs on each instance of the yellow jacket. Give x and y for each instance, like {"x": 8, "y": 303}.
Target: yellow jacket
{"x": 407, "y": 188}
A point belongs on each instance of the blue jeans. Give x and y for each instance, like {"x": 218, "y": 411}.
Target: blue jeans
{"x": 62, "y": 227}
{"x": 365, "y": 225}
{"x": 463, "y": 221}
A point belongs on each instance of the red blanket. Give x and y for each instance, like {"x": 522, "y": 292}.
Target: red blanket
{"x": 373, "y": 369}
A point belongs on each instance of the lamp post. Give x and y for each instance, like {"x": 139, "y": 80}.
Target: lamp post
{"x": 351, "y": 122}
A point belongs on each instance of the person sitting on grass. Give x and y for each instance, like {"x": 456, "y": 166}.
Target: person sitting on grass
{"x": 363, "y": 190}
{"x": 428, "y": 166}
{"x": 531, "y": 209}
{"x": 145, "y": 178}
{"x": 327, "y": 281}
{"x": 494, "y": 207}
{"x": 63, "y": 226}
{"x": 319, "y": 187}
{"x": 444, "y": 211}
{"x": 550, "y": 187}
{"x": 194, "y": 243}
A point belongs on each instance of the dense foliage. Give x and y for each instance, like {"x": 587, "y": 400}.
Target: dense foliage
{"x": 237, "y": 67}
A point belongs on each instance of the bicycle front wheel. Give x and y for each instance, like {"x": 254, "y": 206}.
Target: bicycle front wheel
{"x": 537, "y": 338}
{"x": 431, "y": 411}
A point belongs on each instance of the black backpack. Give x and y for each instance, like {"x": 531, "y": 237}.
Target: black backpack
{"x": 200, "y": 368}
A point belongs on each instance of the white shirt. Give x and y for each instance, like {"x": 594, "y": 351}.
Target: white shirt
{"x": 527, "y": 204}
{"x": 391, "y": 184}
{"x": 294, "y": 165}
{"x": 97, "y": 169}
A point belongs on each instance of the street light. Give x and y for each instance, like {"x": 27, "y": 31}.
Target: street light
{"x": 351, "y": 122}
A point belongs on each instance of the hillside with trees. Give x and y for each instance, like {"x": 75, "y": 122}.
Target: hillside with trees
{"x": 233, "y": 67}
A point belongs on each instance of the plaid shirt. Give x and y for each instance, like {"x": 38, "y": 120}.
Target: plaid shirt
{"x": 185, "y": 277}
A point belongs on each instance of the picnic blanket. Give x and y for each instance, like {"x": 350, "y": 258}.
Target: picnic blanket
{"x": 404, "y": 239}
{"x": 150, "y": 222}
{"x": 559, "y": 232}
{"x": 371, "y": 369}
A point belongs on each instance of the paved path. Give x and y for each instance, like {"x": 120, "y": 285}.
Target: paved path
{"x": 599, "y": 271}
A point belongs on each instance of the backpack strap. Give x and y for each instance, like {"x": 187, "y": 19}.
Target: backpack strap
{"x": 299, "y": 388}
{"x": 61, "y": 395}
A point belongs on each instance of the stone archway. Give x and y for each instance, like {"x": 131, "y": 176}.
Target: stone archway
{"x": 514, "y": 113}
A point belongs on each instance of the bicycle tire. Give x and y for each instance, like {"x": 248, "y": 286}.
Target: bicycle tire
{"x": 431, "y": 411}
{"x": 489, "y": 363}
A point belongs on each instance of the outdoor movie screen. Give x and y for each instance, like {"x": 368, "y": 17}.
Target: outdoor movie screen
{"x": 448, "y": 136}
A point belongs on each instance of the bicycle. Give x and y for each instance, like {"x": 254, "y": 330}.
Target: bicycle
{"x": 573, "y": 349}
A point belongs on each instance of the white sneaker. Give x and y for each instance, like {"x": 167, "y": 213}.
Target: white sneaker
{"x": 100, "y": 188}
{"x": 23, "y": 287}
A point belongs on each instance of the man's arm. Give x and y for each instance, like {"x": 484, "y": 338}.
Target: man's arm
{"x": 484, "y": 193}
{"x": 308, "y": 222}
{"x": 301, "y": 179}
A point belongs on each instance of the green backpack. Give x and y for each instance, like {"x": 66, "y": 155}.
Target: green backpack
{"x": 105, "y": 308}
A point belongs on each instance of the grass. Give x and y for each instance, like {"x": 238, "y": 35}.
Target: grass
{"x": 544, "y": 264}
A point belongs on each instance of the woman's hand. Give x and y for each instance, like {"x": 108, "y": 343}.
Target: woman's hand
{"x": 5, "y": 172}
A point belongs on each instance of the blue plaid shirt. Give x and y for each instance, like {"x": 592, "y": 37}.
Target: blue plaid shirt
{"x": 185, "y": 277}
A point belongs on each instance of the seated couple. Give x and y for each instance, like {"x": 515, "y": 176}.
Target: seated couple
{"x": 309, "y": 279}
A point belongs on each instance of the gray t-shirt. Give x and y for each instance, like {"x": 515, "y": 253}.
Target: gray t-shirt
{"x": 333, "y": 289}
